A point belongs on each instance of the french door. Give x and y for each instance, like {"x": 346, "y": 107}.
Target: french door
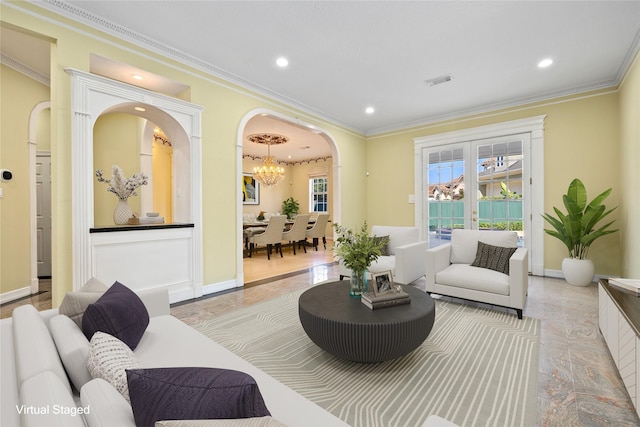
{"x": 480, "y": 184}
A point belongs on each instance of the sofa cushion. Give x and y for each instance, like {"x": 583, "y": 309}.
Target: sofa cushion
{"x": 74, "y": 304}
{"x": 108, "y": 407}
{"x": 108, "y": 359}
{"x": 382, "y": 264}
{"x": 73, "y": 348}
{"x": 464, "y": 243}
{"x": 243, "y": 422}
{"x": 119, "y": 312}
{"x": 35, "y": 351}
{"x": 493, "y": 257}
{"x": 474, "y": 278}
{"x": 47, "y": 391}
{"x": 193, "y": 393}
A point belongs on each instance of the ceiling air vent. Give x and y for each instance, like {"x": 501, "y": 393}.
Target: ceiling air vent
{"x": 439, "y": 80}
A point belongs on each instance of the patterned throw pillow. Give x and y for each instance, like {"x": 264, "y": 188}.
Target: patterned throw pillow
{"x": 193, "y": 393}
{"x": 75, "y": 303}
{"x": 108, "y": 359}
{"x": 385, "y": 249}
{"x": 493, "y": 257}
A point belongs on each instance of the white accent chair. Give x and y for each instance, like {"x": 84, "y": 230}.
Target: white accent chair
{"x": 296, "y": 235}
{"x": 318, "y": 230}
{"x": 404, "y": 258}
{"x": 450, "y": 273}
{"x": 272, "y": 235}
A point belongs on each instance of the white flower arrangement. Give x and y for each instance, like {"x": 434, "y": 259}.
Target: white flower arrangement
{"x": 121, "y": 186}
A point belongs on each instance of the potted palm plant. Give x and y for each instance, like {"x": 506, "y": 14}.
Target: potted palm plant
{"x": 357, "y": 250}
{"x": 578, "y": 229}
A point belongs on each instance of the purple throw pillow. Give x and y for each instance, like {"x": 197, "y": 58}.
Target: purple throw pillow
{"x": 118, "y": 312}
{"x": 193, "y": 394}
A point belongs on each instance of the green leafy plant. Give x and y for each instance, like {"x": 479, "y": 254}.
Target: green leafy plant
{"x": 357, "y": 249}
{"x": 290, "y": 207}
{"x": 577, "y": 229}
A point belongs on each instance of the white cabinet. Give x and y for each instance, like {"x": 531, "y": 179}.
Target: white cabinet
{"x": 623, "y": 343}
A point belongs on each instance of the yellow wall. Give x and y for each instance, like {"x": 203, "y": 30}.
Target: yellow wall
{"x": 581, "y": 140}
{"x": 18, "y": 96}
{"x": 590, "y": 128}
{"x": 162, "y": 159}
{"x": 225, "y": 106}
{"x": 629, "y": 166}
{"x": 116, "y": 141}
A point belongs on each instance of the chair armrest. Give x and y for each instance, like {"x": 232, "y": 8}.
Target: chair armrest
{"x": 437, "y": 259}
{"x": 518, "y": 277}
{"x": 410, "y": 262}
{"x": 156, "y": 301}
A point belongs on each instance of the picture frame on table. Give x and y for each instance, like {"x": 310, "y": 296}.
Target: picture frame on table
{"x": 382, "y": 283}
{"x": 250, "y": 190}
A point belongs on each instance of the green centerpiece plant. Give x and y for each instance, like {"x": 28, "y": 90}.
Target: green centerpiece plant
{"x": 357, "y": 250}
{"x": 290, "y": 207}
{"x": 578, "y": 229}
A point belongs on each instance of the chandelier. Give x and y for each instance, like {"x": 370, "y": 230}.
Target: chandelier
{"x": 270, "y": 173}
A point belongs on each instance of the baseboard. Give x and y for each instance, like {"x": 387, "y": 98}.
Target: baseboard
{"x": 220, "y": 286}
{"x": 15, "y": 294}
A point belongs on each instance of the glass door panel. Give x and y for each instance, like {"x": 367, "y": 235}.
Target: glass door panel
{"x": 444, "y": 191}
{"x": 498, "y": 180}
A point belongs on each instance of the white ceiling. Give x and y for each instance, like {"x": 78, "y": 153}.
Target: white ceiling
{"x": 347, "y": 55}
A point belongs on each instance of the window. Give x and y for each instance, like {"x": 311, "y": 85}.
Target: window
{"x": 318, "y": 194}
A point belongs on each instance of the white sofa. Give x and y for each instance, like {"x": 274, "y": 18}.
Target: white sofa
{"x": 405, "y": 254}
{"x": 449, "y": 270}
{"x": 33, "y": 376}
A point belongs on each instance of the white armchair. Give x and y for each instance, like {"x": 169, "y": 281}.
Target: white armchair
{"x": 449, "y": 270}
{"x": 404, "y": 258}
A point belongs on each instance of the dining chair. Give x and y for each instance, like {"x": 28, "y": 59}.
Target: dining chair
{"x": 318, "y": 230}
{"x": 298, "y": 232}
{"x": 272, "y": 235}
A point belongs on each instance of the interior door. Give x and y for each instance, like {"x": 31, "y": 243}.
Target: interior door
{"x": 43, "y": 213}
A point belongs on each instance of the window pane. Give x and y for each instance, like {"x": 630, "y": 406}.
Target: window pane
{"x": 318, "y": 196}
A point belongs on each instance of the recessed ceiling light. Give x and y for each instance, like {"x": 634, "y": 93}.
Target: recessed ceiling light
{"x": 282, "y": 62}
{"x": 545, "y": 63}
{"x": 139, "y": 109}
{"x": 137, "y": 76}
{"x": 369, "y": 110}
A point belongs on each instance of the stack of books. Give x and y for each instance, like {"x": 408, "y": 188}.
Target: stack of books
{"x": 630, "y": 285}
{"x": 389, "y": 299}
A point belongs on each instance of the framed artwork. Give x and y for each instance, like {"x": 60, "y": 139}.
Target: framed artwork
{"x": 382, "y": 283}
{"x": 250, "y": 190}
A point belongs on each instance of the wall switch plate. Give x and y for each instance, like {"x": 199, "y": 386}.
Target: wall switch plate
{"x": 1, "y": 193}
{"x": 412, "y": 198}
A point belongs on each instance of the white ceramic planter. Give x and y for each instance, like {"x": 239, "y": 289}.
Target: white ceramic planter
{"x": 578, "y": 272}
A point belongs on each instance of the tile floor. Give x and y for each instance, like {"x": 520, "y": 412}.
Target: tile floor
{"x": 578, "y": 384}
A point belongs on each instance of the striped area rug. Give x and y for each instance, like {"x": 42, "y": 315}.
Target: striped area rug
{"x": 478, "y": 367}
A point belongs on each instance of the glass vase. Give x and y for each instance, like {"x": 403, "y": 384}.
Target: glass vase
{"x": 357, "y": 283}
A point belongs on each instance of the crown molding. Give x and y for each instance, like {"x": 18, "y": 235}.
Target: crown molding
{"x": 82, "y": 16}
{"x": 487, "y": 108}
{"x": 24, "y": 69}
